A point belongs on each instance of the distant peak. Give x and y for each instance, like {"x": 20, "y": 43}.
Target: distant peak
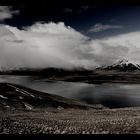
{"x": 123, "y": 61}
{"x": 126, "y": 62}
{"x": 123, "y": 64}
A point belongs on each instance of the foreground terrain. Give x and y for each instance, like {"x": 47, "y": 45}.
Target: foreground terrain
{"x": 26, "y": 111}
{"x": 71, "y": 121}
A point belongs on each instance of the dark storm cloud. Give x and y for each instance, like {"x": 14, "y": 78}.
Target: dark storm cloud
{"x": 98, "y": 27}
{"x": 85, "y": 7}
{"x": 76, "y": 10}
{"x": 67, "y": 10}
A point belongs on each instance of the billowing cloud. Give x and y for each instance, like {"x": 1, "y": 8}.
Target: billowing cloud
{"x": 7, "y": 12}
{"x": 102, "y": 27}
{"x": 40, "y": 45}
{"x": 109, "y": 50}
{"x": 56, "y": 45}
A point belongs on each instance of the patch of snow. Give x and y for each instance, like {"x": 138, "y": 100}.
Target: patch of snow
{"x": 29, "y": 107}
{"x": 60, "y": 108}
{"x": 40, "y": 98}
{"x": 126, "y": 62}
{"x": 21, "y": 91}
{"x": 20, "y": 97}
{"x": 3, "y": 97}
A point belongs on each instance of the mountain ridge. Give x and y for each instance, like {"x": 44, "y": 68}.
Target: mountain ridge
{"x": 16, "y": 97}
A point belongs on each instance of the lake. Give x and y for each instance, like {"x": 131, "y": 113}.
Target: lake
{"x": 111, "y": 95}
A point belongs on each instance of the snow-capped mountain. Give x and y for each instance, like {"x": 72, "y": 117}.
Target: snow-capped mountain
{"x": 122, "y": 65}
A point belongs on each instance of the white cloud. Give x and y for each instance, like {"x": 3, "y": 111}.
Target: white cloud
{"x": 111, "y": 49}
{"x": 101, "y": 27}
{"x": 56, "y": 45}
{"x": 41, "y": 45}
{"x": 7, "y": 12}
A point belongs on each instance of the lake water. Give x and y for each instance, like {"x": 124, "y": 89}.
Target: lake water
{"x": 111, "y": 95}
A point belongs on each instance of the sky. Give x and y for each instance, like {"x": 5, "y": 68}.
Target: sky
{"x": 86, "y": 36}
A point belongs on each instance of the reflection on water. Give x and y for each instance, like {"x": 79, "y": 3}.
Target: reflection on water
{"x": 111, "y": 95}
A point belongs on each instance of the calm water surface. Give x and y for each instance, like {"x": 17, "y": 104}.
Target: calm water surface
{"x": 111, "y": 95}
